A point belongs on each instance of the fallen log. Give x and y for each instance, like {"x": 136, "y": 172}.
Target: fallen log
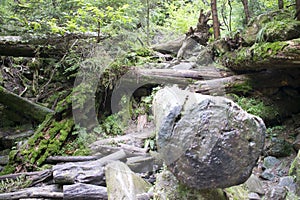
{"x": 21, "y": 105}
{"x": 267, "y": 55}
{"x": 50, "y": 191}
{"x": 84, "y": 172}
{"x": 48, "y": 46}
{"x": 84, "y": 191}
{"x": 60, "y": 159}
{"x": 241, "y": 83}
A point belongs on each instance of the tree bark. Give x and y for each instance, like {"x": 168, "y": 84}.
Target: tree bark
{"x": 280, "y": 4}
{"x": 246, "y": 10}
{"x": 297, "y": 15}
{"x": 216, "y": 24}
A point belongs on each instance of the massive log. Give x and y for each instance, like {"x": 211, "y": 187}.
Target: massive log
{"x": 48, "y": 46}
{"x": 266, "y": 55}
{"x": 21, "y": 105}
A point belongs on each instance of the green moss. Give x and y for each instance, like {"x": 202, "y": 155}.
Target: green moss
{"x": 237, "y": 192}
{"x": 240, "y": 88}
{"x": 257, "y": 107}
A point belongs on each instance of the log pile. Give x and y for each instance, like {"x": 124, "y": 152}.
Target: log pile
{"x": 76, "y": 178}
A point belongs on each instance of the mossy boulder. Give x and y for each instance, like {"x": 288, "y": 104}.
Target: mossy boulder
{"x": 273, "y": 26}
{"x": 295, "y": 171}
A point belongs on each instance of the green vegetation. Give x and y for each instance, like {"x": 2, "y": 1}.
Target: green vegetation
{"x": 257, "y": 107}
{"x": 11, "y": 185}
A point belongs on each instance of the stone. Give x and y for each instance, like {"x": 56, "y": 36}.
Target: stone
{"x": 122, "y": 183}
{"x": 276, "y": 193}
{"x": 271, "y": 162}
{"x": 190, "y": 48}
{"x": 201, "y": 138}
{"x": 184, "y": 66}
{"x": 253, "y": 196}
{"x": 171, "y": 47}
{"x": 4, "y": 160}
{"x": 168, "y": 187}
{"x": 268, "y": 174}
{"x": 296, "y": 143}
{"x": 255, "y": 185}
{"x": 288, "y": 182}
{"x": 295, "y": 171}
{"x": 279, "y": 147}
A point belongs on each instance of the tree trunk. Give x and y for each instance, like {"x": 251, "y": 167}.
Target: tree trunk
{"x": 280, "y": 4}
{"x": 297, "y": 15}
{"x": 216, "y": 24}
{"x": 246, "y": 10}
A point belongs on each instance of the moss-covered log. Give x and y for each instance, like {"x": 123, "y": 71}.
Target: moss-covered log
{"x": 48, "y": 140}
{"x": 50, "y": 46}
{"x": 23, "y": 106}
{"x": 266, "y": 55}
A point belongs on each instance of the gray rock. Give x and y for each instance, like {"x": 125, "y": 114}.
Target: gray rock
{"x": 122, "y": 183}
{"x": 189, "y": 48}
{"x": 279, "y": 148}
{"x": 271, "y": 162}
{"x": 4, "y": 160}
{"x": 296, "y": 143}
{"x": 289, "y": 183}
{"x": 170, "y": 47}
{"x": 201, "y": 138}
{"x": 276, "y": 193}
{"x": 268, "y": 174}
{"x": 255, "y": 185}
{"x": 253, "y": 196}
{"x": 184, "y": 66}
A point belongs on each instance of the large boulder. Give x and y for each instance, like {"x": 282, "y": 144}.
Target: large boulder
{"x": 207, "y": 142}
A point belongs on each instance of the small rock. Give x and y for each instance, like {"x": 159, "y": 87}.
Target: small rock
{"x": 296, "y": 143}
{"x": 253, "y": 196}
{"x": 268, "y": 174}
{"x": 255, "y": 185}
{"x": 288, "y": 182}
{"x": 183, "y": 66}
{"x": 4, "y": 160}
{"x": 276, "y": 193}
{"x": 271, "y": 162}
{"x": 279, "y": 148}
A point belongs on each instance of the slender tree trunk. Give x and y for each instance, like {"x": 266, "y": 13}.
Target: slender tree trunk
{"x": 246, "y": 10}
{"x": 280, "y": 4}
{"x": 148, "y": 21}
{"x": 297, "y": 16}
{"x": 216, "y": 24}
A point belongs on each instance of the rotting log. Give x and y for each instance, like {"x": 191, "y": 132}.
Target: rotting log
{"x": 21, "y": 105}
{"x": 47, "y": 192}
{"x": 48, "y": 46}
{"x": 84, "y": 191}
{"x": 61, "y": 159}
